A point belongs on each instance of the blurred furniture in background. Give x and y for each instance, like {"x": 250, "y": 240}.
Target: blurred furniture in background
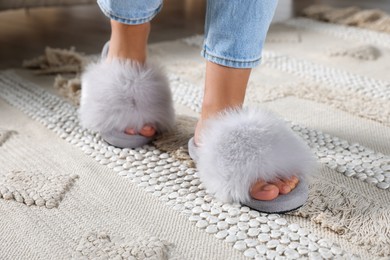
{"x": 19, "y": 4}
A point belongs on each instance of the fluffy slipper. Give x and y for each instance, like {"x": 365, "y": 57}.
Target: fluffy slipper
{"x": 124, "y": 94}
{"x": 242, "y": 146}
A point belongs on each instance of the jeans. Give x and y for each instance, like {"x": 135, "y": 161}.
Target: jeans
{"x": 235, "y": 30}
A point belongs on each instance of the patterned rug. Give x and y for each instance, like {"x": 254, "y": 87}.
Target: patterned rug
{"x": 373, "y": 19}
{"x": 65, "y": 193}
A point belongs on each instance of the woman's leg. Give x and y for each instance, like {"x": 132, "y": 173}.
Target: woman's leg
{"x": 130, "y": 28}
{"x": 129, "y": 41}
{"x": 235, "y": 33}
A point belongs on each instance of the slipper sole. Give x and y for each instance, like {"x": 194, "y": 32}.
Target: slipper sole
{"x": 123, "y": 140}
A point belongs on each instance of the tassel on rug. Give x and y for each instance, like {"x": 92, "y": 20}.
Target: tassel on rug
{"x": 359, "y": 219}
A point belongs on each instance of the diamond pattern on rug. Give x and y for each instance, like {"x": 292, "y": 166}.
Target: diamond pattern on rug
{"x": 5, "y": 135}
{"x": 101, "y": 246}
{"x": 35, "y": 187}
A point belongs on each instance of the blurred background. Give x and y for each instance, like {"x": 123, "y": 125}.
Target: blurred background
{"x": 27, "y": 27}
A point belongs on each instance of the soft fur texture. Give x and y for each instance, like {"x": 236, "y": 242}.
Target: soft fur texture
{"x": 244, "y": 145}
{"x": 123, "y": 93}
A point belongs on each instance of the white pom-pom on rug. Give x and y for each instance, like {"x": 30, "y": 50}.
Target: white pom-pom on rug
{"x": 123, "y": 93}
{"x": 241, "y": 146}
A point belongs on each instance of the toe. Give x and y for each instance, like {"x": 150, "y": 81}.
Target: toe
{"x": 286, "y": 185}
{"x": 283, "y": 187}
{"x": 292, "y": 182}
{"x": 130, "y": 131}
{"x": 264, "y": 191}
{"x": 148, "y": 131}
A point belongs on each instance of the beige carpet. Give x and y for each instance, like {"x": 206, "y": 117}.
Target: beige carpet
{"x": 65, "y": 194}
{"x": 373, "y": 19}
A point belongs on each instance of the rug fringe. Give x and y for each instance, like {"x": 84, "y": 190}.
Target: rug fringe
{"x": 175, "y": 142}
{"x": 56, "y": 61}
{"x": 359, "y": 219}
{"x": 373, "y": 19}
{"x": 69, "y": 88}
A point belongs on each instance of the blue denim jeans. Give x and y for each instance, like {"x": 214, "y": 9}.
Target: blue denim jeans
{"x": 235, "y": 30}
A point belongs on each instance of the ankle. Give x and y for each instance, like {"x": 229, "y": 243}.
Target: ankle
{"x": 197, "y": 134}
{"x": 129, "y": 41}
{"x": 211, "y": 109}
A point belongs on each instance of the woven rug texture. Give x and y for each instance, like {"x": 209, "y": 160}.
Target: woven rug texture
{"x": 66, "y": 194}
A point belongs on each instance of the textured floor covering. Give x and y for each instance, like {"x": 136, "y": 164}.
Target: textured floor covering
{"x": 373, "y": 19}
{"x": 330, "y": 81}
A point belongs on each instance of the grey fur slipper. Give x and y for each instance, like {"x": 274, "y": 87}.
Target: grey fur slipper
{"x": 242, "y": 146}
{"x": 122, "y": 93}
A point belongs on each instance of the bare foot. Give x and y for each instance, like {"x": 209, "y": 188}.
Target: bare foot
{"x": 262, "y": 190}
{"x": 147, "y": 131}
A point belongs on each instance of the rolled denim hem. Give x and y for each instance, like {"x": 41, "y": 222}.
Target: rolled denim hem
{"x": 144, "y": 18}
{"x": 229, "y": 62}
